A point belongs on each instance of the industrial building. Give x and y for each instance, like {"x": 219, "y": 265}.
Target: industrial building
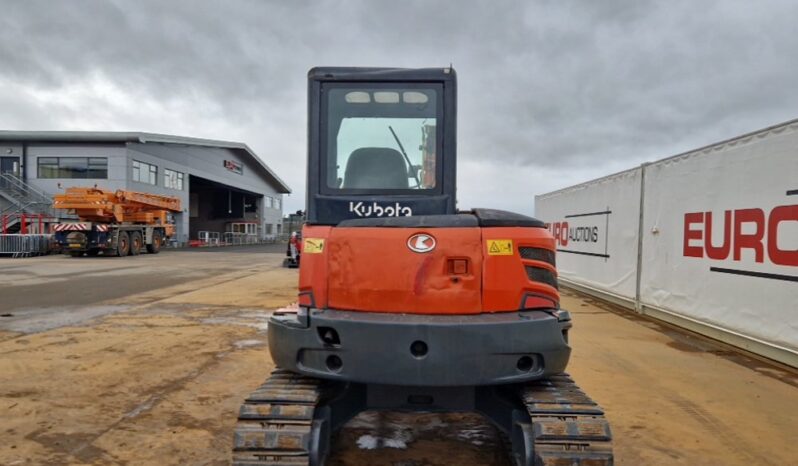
{"x": 219, "y": 183}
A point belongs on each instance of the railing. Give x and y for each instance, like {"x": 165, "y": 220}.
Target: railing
{"x": 19, "y": 205}
{"x": 9, "y": 181}
{"x": 209, "y": 238}
{"x": 24, "y": 197}
{"x": 214, "y": 238}
{"x": 232, "y": 238}
{"x": 24, "y": 245}
{"x": 28, "y": 223}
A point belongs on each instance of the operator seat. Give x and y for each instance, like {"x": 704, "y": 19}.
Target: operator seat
{"x": 375, "y": 168}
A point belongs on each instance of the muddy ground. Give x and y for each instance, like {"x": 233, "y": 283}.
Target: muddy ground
{"x": 144, "y": 360}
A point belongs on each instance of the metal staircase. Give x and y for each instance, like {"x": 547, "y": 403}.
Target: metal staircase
{"x": 24, "y": 201}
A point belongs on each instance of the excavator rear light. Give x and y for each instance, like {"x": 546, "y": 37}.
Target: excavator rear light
{"x": 533, "y": 301}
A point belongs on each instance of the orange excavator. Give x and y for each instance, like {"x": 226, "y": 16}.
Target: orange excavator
{"x": 114, "y": 222}
{"x": 405, "y": 302}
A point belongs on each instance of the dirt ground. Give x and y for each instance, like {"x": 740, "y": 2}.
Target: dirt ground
{"x": 145, "y": 360}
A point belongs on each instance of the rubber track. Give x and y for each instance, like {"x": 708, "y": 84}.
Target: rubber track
{"x": 274, "y": 423}
{"x": 568, "y": 427}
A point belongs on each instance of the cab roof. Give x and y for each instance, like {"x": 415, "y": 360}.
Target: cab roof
{"x": 325, "y": 73}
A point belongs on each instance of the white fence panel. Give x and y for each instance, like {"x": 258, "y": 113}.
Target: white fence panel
{"x": 596, "y": 226}
{"x": 720, "y": 237}
{"x": 19, "y": 245}
{"x": 719, "y": 247}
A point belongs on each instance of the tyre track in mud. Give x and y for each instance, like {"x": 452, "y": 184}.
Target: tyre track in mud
{"x": 722, "y": 431}
{"x": 84, "y": 446}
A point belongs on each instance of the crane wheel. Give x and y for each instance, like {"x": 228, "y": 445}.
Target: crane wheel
{"x": 123, "y": 244}
{"x": 135, "y": 243}
{"x": 157, "y": 240}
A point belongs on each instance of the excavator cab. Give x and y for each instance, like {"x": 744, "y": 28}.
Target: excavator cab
{"x": 381, "y": 143}
{"x": 406, "y": 303}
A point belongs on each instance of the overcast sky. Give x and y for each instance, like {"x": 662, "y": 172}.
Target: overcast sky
{"x": 551, "y": 93}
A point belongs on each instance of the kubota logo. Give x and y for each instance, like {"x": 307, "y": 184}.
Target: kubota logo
{"x": 421, "y": 242}
{"x": 376, "y": 210}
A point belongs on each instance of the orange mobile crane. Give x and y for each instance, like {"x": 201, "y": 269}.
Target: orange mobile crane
{"x": 116, "y": 223}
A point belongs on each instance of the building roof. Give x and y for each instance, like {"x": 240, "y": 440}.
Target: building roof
{"x": 139, "y": 137}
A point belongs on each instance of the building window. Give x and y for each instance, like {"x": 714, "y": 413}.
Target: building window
{"x": 268, "y": 229}
{"x": 73, "y": 167}
{"x": 48, "y": 167}
{"x": 173, "y": 179}
{"x": 267, "y": 201}
{"x": 98, "y": 168}
{"x": 145, "y": 173}
{"x": 277, "y": 203}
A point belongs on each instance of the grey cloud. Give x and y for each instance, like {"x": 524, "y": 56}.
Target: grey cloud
{"x": 573, "y": 89}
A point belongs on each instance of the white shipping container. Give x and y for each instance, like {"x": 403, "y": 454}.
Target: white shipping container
{"x": 715, "y": 249}
{"x": 596, "y": 227}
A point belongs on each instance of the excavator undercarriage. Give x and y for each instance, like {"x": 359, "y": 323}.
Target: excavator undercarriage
{"x": 289, "y": 419}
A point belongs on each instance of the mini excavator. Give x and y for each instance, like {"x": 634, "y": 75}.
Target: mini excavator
{"x": 406, "y": 303}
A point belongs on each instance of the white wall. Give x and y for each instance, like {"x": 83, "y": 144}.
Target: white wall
{"x": 738, "y": 284}
{"x": 596, "y": 227}
{"x": 731, "y": 190}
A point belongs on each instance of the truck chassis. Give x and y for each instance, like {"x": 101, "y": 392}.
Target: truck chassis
{"x": 77, "y": 239}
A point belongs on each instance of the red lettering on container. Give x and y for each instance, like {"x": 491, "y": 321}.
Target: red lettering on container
{"x": 749, "y": 241}
{"x": 713, "y": 252}
{"x": 762, "y": 236}
{"x": 690, "y": 234}
{"x": 784, "y": 213}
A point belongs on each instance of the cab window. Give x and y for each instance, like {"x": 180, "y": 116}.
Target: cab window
{"x": 382, "y": 138}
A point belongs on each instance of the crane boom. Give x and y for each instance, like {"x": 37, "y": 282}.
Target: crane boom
{"x": 100, "y": 205}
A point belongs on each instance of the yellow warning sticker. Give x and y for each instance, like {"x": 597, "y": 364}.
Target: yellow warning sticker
{"x": 313, "y": 246}
{"x": 500, "y": 247}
